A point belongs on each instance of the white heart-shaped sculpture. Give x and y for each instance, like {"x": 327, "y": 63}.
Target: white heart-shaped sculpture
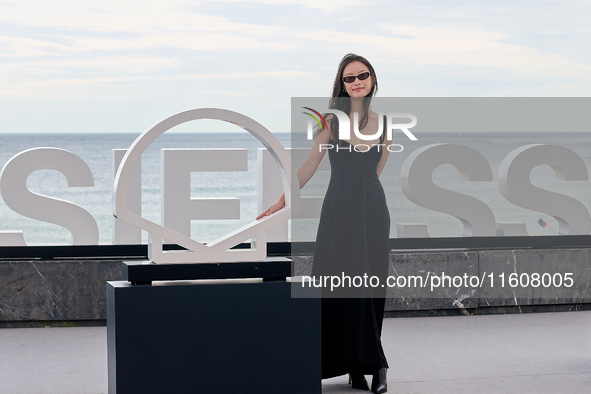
{"x": 220, "y": 249}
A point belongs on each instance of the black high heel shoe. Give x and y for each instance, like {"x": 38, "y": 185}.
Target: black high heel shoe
{"x": 379, "y": 384}
{"x": 357, "y": 381}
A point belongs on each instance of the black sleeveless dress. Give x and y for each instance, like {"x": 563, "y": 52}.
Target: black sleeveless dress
{"x": 352, "y": 240}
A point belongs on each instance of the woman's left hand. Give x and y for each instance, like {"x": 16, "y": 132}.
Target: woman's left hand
{"x": 273, "y": 208}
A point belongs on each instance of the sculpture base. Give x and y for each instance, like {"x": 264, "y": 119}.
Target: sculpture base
{"x": 144, "y": 272}
{"x": 212, "y": 338}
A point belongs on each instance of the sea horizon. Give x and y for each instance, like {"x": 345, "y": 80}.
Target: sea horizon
{"x": 96, "y": 150}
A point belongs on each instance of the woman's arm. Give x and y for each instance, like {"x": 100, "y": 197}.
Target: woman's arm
{"x": 384, "y": 158}
{"x": 306, "y": 170}
{"x": 310, "y": 165}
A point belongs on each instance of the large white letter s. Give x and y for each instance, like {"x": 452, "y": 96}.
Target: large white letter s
{"x": 13, "y": 186}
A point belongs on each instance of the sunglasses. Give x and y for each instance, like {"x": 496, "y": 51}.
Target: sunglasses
{"x": 351, "y": 78}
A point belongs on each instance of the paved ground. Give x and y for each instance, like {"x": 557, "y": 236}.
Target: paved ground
{"x": 530, "y": 353}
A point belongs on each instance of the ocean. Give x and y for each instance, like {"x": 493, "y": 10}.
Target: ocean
{"x": 96, "y": 151}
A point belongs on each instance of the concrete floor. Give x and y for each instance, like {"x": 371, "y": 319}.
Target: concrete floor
{"x": 529, "y": 353}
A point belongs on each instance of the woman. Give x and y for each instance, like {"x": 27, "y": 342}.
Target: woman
{"x": 353, "y": 231}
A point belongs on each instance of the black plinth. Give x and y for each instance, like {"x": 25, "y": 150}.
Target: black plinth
{"x": 138, "y": 272}
{"x": 212, "y": 338}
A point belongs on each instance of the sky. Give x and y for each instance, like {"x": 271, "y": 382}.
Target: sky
{"x": 122, "y": 66}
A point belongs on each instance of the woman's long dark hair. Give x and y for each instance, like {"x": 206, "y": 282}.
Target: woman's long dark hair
{"x": 338, "y": 91}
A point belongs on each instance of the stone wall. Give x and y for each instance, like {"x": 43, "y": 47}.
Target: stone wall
{"x": 491, "y": 280}
{"x": 55, "y": 290}
{"x": 74, "y": 290}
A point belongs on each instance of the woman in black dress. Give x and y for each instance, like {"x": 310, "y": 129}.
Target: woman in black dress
{"x": 353, "y": 232}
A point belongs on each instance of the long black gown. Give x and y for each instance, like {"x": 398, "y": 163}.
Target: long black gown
{"x": 352, "y": 239}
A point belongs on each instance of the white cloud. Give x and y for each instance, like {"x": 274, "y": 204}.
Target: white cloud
{"x": 323, "y": 5}
{"x": 58, "y": 85}
{"x": 197, "y": 40}
{"x": 258, "y": 74}
{"x": 71, "y": 26}
{"x": 135, "y": 18}
{"x": 469, "y": 47}
{"x": 114, "y": 27}
{"x": 70, "y": 48}
{"x": 14, "y": 46}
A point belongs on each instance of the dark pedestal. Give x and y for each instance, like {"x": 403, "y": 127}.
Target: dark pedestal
{"x": 212, "y": 338}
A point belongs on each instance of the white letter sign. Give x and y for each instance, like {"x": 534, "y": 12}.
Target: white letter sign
{"x": 178, "y": 207}
{"x": 220, "y": 249}
{"x": 416, "y": 178}
{"x": 19, "y": 198}
{"x": 572, "y": 216}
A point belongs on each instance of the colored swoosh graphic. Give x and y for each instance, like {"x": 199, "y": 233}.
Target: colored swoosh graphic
{"x": 315, "y": 118}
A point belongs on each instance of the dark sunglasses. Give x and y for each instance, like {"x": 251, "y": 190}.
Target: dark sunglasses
{"x": 351, "y": 78}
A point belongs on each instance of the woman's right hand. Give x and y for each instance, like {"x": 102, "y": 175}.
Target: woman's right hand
{"x": 273, "y": 208}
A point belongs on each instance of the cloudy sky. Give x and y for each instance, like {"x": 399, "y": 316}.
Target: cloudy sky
{"x": 122, "y": 66}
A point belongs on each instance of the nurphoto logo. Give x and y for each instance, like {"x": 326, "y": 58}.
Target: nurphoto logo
{"x": 318, "y": 120}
